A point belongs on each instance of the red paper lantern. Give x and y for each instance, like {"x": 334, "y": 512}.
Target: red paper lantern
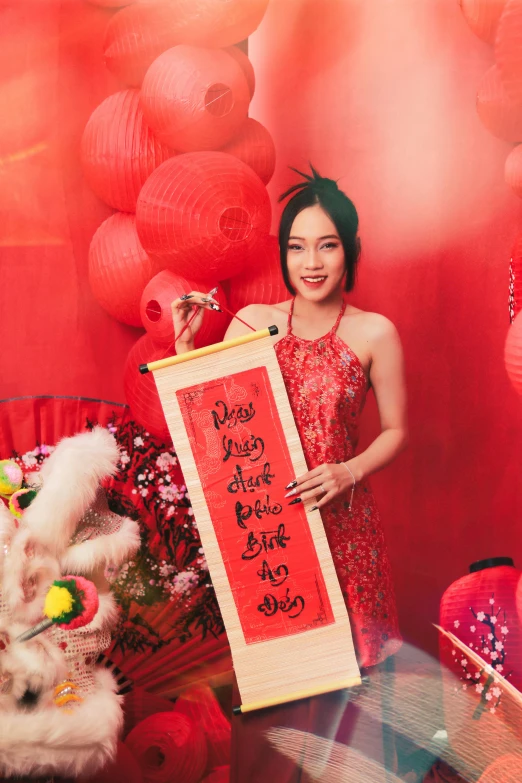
{"x": 156, "y": 313}
{"x": 170, "y": 748}
{"x": 119, "y": 268}
{"x": 137, "y": 35}
{"x": 261, "y": 282}
{"x": 506, "y": 769}
{"x": 500, "y": 115}
{"x": 202, "y": 214}
{"x": 140, "y": 390}
{"x": 119, "y": 150}
{"x": 481, "y": 610}
{"x": 483, "y": 16}
{"x": 124, "y": 769}
{"x": 254, "y": 146}
{"x": 246, "y": 66}
{"x": 195, "y": 99}
{"x": 513, "y": 353}
{"x": 139, "y": 704}
{"x": 508, "y": 49}
{"x": 515, "y": 272}
{"x": 201, "y": 705}
{"x": 513, "y": 170}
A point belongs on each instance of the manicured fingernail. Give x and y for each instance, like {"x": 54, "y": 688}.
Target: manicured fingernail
{"x": 205, "y": 299}
{"x": 186, "y": 296}
{"x": 314, "y": 508}
{"x": 215, "y": 307}
{"x": 294, "y": 501}
{"x": 213, "y": 292}
{"x": 292, "y": 484}
{"x": 289, "y": 494}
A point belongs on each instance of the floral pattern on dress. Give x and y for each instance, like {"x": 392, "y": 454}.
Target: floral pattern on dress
{"x": 327, "y": 387}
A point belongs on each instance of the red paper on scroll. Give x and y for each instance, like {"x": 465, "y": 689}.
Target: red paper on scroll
{"x": 244, "y": 464}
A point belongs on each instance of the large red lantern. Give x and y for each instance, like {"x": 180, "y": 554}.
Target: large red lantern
{"x": 513, "y": 170}
{"x": 261, "y": 282}
{"x": 119, "y": 150}
{"x": 156, "y": 313}
{"x": 508, "y": 48}
{"x": 254, "y": 146}
{"x": 513, "y": 353}
{"x": 201, "y": 214}
{"x": 500, "y": 115}
{"x": 111, "y": 3}
{"x": 170, "y": 748}
{"x": 201, "y": 705}
{"x": 137, "y": 35}
{"x": 481, "y": 610}
{"x": 246, "y": 66}
{"x": 483, "y": 16}
{"x": 119, "y": 268}
{"x": 195, "y": 99}
{"x": 140, "y": 390}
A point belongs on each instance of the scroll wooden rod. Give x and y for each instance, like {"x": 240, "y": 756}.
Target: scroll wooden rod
{"x": 207, "y": 350}
{"x": 297, "y": 695}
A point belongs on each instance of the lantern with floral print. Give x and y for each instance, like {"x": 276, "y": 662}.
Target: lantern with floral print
{"x": 481, "y": 610}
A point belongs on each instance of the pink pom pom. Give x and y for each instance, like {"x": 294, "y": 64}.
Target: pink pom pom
{"x": 90, "y": 602}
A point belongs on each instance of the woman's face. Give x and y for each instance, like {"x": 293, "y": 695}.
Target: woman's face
{"x": 315, "y": 255}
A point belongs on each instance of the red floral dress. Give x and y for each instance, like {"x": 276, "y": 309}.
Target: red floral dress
{"x": 327, "y": 388}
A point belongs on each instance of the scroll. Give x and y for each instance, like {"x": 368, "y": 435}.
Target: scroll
{"x": 270, "y": 564}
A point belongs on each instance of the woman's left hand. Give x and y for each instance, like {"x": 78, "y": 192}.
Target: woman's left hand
{"x": 326, "y": 482}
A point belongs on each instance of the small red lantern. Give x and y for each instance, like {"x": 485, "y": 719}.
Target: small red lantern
{"x": 513, "y": 353}
{"x": 508, "y": 49}
{"x": 119, "y": 268}
{"x": 137, "y": 35}
{"x": 202, "y": 214}
{"x": 254, "y": 146}
{"x": 170, "y": 748}
{"x": 140, "y": 390}
{"x": 156, "y": 313}
{"x": 481, "y": 610}
{"x": 483, "y": 16}
{"x": 505, "y": 769}
{"x": 500, "y": 115}
{"x": 119, "y": 150}
{"x": 261, "y": 282}
{"x": 195, "y": 99}
{"x": 513, "y": 170}
{"x": 246, "y": 66}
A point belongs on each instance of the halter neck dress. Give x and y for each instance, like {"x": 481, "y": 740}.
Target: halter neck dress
{"x": 327, "y": 388}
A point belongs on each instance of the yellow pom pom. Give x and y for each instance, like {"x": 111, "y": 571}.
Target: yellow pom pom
{"x": 57, "y": 602}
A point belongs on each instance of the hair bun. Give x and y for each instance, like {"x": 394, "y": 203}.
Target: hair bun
{"x": 313, "y": 182}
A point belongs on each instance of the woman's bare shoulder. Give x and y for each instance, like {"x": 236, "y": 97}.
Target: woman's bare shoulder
{"x": 261, "y": 315}
{"x": 374, "y": 325}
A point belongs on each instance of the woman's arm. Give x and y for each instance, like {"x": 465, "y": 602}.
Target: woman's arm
{"x": 387, "y": 379}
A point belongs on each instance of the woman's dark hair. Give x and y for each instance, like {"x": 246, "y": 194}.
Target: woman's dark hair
{"x": 341, "y": 211}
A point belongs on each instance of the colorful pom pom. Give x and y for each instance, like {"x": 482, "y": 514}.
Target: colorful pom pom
{"x": 59, "y": 603}
{"x": 21, "y": 500}
{"x": 11, "y": 477}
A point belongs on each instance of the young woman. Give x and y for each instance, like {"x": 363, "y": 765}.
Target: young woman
{"x": 331, "y": 354}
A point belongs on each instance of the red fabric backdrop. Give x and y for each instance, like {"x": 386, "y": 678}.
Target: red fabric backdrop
{"x": 380, "y": 95}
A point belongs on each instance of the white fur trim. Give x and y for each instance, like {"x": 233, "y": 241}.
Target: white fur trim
{"x": 49, "y": 741}
{"x": 71, "y": 477}
{"x": 19, "y": 567}
{"x": 114, "y": 548}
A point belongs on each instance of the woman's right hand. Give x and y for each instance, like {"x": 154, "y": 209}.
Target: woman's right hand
{"x": 182, "y": 311}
